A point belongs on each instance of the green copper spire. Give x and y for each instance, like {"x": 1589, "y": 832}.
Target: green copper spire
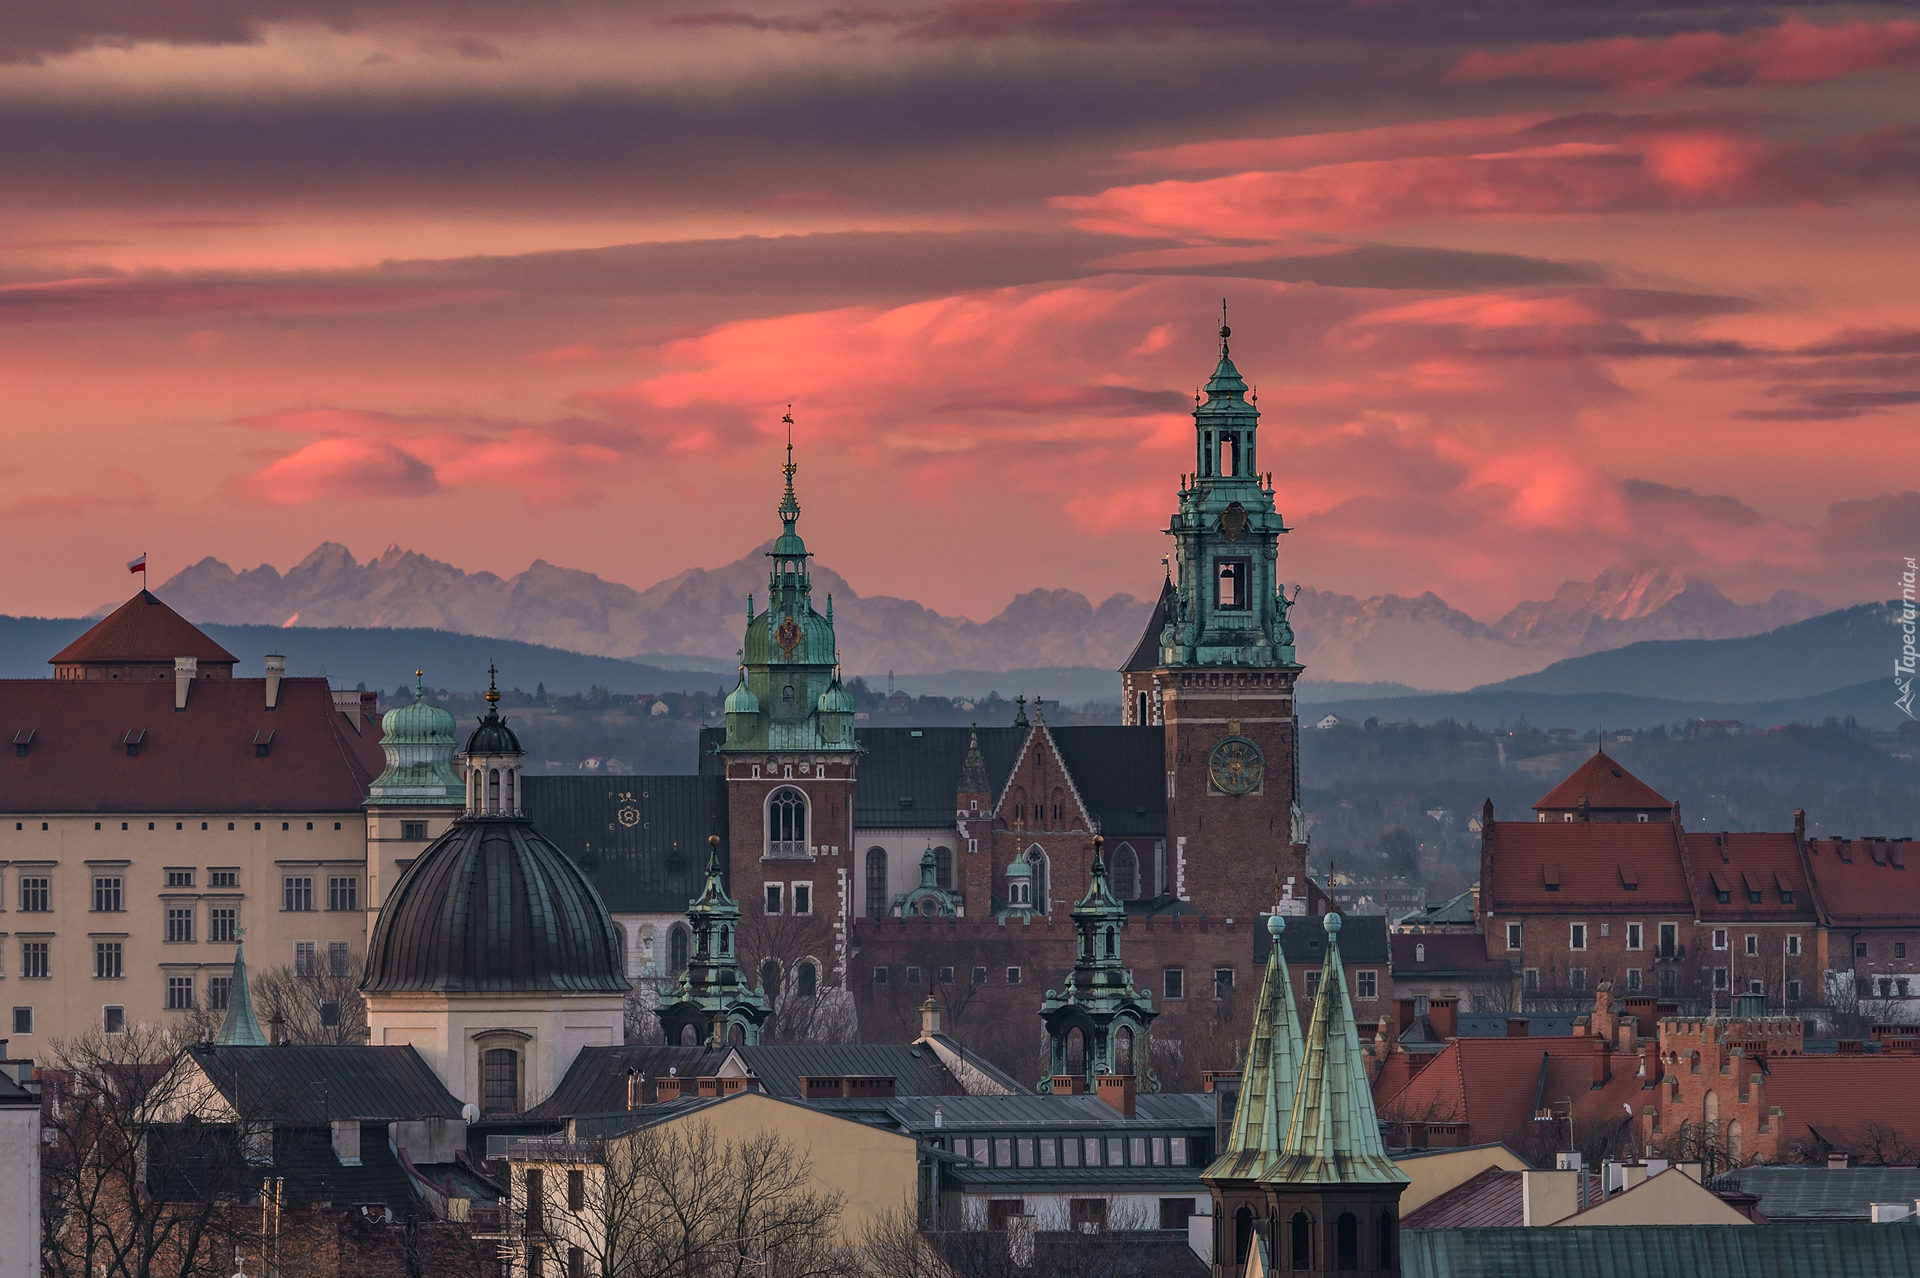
{"x": 712, "y": 997}
{"x": 1265, "y": 1106}
{"x": 1100, "y": 999}
{"x": 929, "y": 900}
{"x": 1334, "y": 1138}
{"x": 419, "y": 744}
{"x": 241, "y": 1029}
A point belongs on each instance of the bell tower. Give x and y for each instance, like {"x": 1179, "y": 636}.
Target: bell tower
{"x": 1216, "y": 671}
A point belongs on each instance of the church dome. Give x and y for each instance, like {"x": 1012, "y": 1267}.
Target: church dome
{"x": 419, "y": 744}
{"x": 836, "y": 700}
{"x": 741, "y": 700}
{"x": 493, "y": 907}
{"x": 493, "y": 736}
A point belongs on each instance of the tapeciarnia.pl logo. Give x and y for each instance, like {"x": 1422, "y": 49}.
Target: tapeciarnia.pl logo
{"x": 1903, "y": 664}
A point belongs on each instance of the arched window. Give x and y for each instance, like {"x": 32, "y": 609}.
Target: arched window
{"x": 770, "y": 977}
{"x": 1140, "y": 715}
{"x": 806, "y": 979}
{"x": 787, "y": 823}
{"x": 943, "y": 868}
{"x": 1059, "y": 808}
{"x": 1037, "y": 862}
{"x": 476, "y": 800}
{"x": 500, "y": 1082}
{"x": 1346, "y": 1241}
{"x": 1123, "y": 1052}
{"x": 1420, "y": 953}
{"x": 1710, "y": 1128}
{"x": 493, "y": 789}
{"x": 786, "y": 694}
{"x": 1385, "y": 1260}
{"x": 1302, "y": 1230}
{"x": 726, "y": 941}
{"x": 1126, "y": 873}
{"x": 876, "y": 883}
{"x": 510, "y": 803}
{"x": 1733, "y": 1143}
{"x": 1242, "y": 1235}
{"x": 689, "y": 1035}
{"x": 676, "y": 950}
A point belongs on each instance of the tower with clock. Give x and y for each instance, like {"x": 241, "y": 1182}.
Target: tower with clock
{"x": 1215, "y": 671}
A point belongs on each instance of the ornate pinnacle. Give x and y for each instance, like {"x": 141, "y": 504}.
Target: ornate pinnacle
{"x": 789, "y": 504}
{"x": 493, "y": 691}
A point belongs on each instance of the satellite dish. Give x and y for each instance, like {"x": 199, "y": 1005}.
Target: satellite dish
{"x": 470, "y": 1112}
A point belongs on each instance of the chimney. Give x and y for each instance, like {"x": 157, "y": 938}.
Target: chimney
{"x": 1516, "y": 1027}
{"x": 667, "y": 1090}
{"x": 1602, "y": 1061}
{"x": 1836, "y": 1161}
{"x": 1117, "y": 1091}
{"x": 346, "y": 1141}
{"x": 636, "y": 1089}
{"x": 1383, "y": 1042}
{"x": 1799, "y": 825}
{"x": 930, "y": 1018}
{"x": 348, "y": 703}
{"x": 1072, "y": 1084}
{"x": 276, "y": 671}
{"x": 1444, "y": 1015}
{"x": 184, "y": 669}
{"x": 276, "y": 1031}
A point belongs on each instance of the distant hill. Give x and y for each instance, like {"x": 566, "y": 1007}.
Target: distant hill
{"x": 1837, "y": 650}
{"x": 1871, "y": 703}
{"x": 381, "y": 659}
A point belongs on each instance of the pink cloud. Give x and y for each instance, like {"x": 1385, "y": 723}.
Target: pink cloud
{"x": 343, "y": 469}
{"x": 1794, "y": 53}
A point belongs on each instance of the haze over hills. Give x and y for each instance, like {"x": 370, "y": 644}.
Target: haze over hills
{"x": 694, "y": 618}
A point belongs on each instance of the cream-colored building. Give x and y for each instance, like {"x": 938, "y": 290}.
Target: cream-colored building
{"x": 153, "y": 806}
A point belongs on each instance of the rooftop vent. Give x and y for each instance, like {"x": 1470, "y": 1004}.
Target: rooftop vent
{"x": 23, "y": 742}
{"x": 262, "y": 743}
{"x": 132, "y": 741}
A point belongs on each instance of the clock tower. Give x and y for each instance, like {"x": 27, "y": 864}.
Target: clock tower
{"x": 1216, "y": 671}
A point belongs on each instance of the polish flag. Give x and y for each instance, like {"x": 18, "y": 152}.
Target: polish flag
{"x": 138, "y": 565}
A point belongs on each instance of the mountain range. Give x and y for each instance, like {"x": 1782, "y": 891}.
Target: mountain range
{"x": 693, "y": 619}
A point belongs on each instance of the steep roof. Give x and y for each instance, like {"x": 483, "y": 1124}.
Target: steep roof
{"x": 1590, "y": 862}
{"x": 202, "y": 759}
{"x": 916, "y": 1070}
{"x": 1493, "y": 1199}
{"x": 1742, "y": 864}
{"x": 1272, "y": 1063}
{"x": 141, "y": 630}
{"x": 908, "y": 777}
{"x": 1120, "y": 774}
{"x": 1146, "y": 653}
{"x": 1849, "y": 1102}
{"x": 1661, "y": 1251}
{"x": 1809, "y": 1193}
{"x": 1606, "y": 786}
{"x": 1417, "y": 954}
{"x": 1495, "y": 1084}
{"x": 312, "y": 1086}
{"x": 1865, "y": 882}
{"x": 642, "y": 840}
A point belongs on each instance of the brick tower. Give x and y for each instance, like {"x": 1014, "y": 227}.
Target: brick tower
{"x": 1216, "y": 672}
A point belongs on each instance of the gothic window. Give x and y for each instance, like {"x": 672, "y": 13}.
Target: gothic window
{"x": 1346, "y": 1241}
{"x": 1126, "y": 873}
{"x": 1123, "y": 1052}
{"x": 500, "y": 1067}
{"x": 1037, "y": 862}
{"x": 676, "y": 951}
{"x": 1059, "y": 808}
{"x": 1242, "y": 1234}
{"x": 770, "y": 977}
{"x": 943, "y": 868}
{"x": 1140, "y": 714}
{"x": 876, "y": 883}
{"x": 787, "y": 824}
{"x": 806, "y": 979}
{"x": 1231, "y": 578}
{"x": 1386, "y": 1241}
{"x": 1302, "y": 1230}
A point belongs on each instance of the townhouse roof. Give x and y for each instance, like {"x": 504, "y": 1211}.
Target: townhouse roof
{"x": 1497, "y": 1085}
{"x": 1539, "y": 1024}
{"x": 1443, "y": 954}
{"x": 1455, "y": 911}
{"x": 1743, "y": 864}
{"x": 1606, "y": 787}
{"x": 1865, "y": 882}
{"x": 1591, "y": 866}
{"x": 313, "y": 1086}
{"x": 596, "y": 1078}
{"x": 642, "y": 840}
{"x": 1031, "y": 1111}
{"x": 1852, "y": 1103}
{"x": 141, "y": 631}
{"x": 1661, "y": 1251}
{"x": 1800, "y": 1194}
{"x": 916, "y": 1069}
{"x": 1495, "y": 1198}
{"x": 188, "y": 1163}
{"x": 97, "y": 746}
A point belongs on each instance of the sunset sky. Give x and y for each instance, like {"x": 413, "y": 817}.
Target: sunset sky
{"x": 1632, "y": 283}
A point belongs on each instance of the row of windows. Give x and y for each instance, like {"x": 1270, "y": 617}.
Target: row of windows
{"x": 784, "y": 896}
{"x": 1668, "y": 977}
{"x": 1173, "y": 985}
{"x": 178, "y": 825}
{"x": 1578, "y": 935}
{"x": 109, "y": 960}
{"x": 110, "y": 895}
{"x": 1073, "y": 1151}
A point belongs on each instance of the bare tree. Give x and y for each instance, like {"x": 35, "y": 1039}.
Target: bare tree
{"x": 673, "y": 1200}
{"x": 895, "y": 1247}
{"x": 320, "y": 1006}
{"x": 775, "y": 949}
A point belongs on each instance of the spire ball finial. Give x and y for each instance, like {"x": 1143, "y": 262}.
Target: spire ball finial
{"x": 1276, "y": 924}
{"x": 1332, "y": 922}
{"x": 493, "y": 690}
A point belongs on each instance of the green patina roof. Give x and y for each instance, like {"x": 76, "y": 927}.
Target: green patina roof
{"x": 419, "y": 744}
{"x": 242, "y": 1028}
{"x": 1334, "y": 1136}
{"x": 1274, "y": 1052}
{"x": 1662, "y": 1251}
{"x": 741, "y": 700}
{"x": 713, "y": 988}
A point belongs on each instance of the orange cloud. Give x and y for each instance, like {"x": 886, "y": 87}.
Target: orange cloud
{"x": 1794, "y": 53}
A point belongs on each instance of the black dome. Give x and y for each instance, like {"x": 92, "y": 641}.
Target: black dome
{"x": 493, "y": 736}
{"x": 492, "y": 906}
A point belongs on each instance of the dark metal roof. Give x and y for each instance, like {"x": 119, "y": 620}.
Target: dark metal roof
{"x": 908, "y": 777}
{"x": 1661, "y": 1251}
{"x": 1146, "y": 653}
{"x": 916, "y": 1071}
{"x": 1815, "y": 1193}
{"x": 596, "y": 1080}
{"x": 491, "y": 905}
{"x": 1121, "y": 774}
{"x": 313, "y": 1086}
{"x": 1034, "y": 1112}
{"x": 1117, "y": 1253}
{"x": 1539, "y": 1024}
{"x": 642, "y": 840}
{"x": 186, "y": 1164}
{"x": 1060, "y": 1180}
{"x": 1363, "y": 939}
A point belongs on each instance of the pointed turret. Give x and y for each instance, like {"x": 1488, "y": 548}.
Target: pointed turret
{"x": 1334, "y": 1136}
{"x": 241, "y": 1028}
{"x": 973, "y": 772}
{"x": 1274, "y": 1053}
{"x": 712, "y": 998}
{"x": 1100, "y": 1000}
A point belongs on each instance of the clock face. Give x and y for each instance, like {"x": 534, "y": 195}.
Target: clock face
{"x": 787, "y": 636}
{"x": 1236, "y": 766}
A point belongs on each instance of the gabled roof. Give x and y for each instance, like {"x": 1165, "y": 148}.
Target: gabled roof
{"x": 596, "y": 1078}
{"x": 915, "y": 1069}
{"x": 1120, "y": 775}
{"x": 1146, "y": 653}
{"x": 1455, "y": 911}
{"x": 1590, "y": 862}
{"x": 141, "y": 630}
{"x": 1853, "y": 1103}
{"x": 1493, "y": 1199}
{"x": 312, "y": 1086}
{"x": 1494, "y": 1084}
{"x": 642, "y": 840}
{"x": 202, "y": 759}
{"x": 1865, "y": 882}
{"x": 1606, "y": 786}
{"x": 1744, "y": 863}
{"x": 1417, "y": 954}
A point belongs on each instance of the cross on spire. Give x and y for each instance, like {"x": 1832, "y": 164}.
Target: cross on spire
{"x": 789, "y": 504}
{"x": 493, "y": 690}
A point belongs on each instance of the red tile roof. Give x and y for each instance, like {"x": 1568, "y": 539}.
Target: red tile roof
{"x": 1864, "y": 882}
{"x": 1743, "y": 864}
{"x": 1605, "y": 785}
{"x": 1494, "y": 1199}
{"x": 1444, "y": 953}
{"x": 141, "y": 630}
{"x": 200, "y": 759}
{"x": 1839, "y": 1098}
{"x": 1491, "y": 1085}
{"x": 1587, "y": 860}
